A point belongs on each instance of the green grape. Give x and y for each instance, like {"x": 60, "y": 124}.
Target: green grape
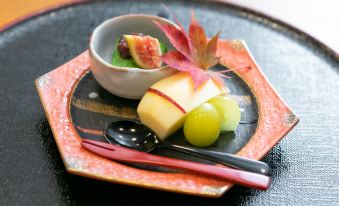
{"x": 229, "y": 112}
{"x": 202, "y": 125}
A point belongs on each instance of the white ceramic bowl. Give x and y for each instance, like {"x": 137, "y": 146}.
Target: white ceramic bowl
{"x": 129, "y": 83}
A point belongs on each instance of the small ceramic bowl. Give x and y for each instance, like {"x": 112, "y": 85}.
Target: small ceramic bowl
{"x": 130, "y": 83}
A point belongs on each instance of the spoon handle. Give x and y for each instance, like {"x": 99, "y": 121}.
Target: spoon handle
{"x": 119, "y": 153}
{"x": 230, "y": 160}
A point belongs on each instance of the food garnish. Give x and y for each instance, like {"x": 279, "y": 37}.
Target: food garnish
{"x": 121, "y": 59}
{"x": 195, "y": 53}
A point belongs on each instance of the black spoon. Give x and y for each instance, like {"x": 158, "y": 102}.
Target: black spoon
{"x": 137, "y": 136}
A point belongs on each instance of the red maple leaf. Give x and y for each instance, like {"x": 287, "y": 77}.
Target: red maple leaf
{"x": 195, "y": 53}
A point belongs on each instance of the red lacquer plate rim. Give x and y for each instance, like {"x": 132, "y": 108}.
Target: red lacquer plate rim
{"x": 56, "y": 88}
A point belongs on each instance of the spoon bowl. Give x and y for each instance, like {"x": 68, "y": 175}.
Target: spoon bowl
{"x": 131, "y": 134}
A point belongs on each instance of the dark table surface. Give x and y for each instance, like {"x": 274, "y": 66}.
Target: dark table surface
{"x": 305, "y": 163}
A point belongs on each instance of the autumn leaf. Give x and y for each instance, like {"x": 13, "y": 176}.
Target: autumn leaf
{"x": 195, "y": 54}
{"x": 176, "y": 37}
{"x": 178, "y": 61}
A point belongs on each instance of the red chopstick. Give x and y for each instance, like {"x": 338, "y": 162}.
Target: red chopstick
{"x": 118, "y": 153}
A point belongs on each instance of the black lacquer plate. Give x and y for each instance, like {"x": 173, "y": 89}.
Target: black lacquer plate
{"x": 92, "y": 108}
{"x": 305, "y": 163}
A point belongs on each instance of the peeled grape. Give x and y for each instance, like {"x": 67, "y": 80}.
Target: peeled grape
{"x": 229, "y": 112}
{"x": 202, "y": 125}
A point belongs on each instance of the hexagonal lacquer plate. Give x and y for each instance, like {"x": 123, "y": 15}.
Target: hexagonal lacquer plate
{"x": 56, "y": 88}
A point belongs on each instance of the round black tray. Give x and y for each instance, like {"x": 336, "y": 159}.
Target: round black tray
{"x": 305, "y": 163}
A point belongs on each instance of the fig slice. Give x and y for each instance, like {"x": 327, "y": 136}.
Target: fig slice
{"x": 145, "y": 51}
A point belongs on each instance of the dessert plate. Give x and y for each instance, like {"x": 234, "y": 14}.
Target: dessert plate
{"x": 77, "y": 107}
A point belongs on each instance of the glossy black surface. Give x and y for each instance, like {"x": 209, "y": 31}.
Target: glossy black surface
{"x": 304, "y": 164}
{"x": 94, "y": 108}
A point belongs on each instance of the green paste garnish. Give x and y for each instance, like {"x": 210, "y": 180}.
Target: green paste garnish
{"x": 119, "y": 61}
